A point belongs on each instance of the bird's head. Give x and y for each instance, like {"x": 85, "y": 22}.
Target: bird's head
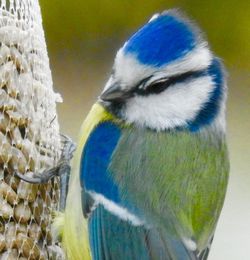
{"x": 165, "y": 77}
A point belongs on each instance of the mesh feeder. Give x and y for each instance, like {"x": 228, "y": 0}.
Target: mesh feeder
{"x": 29, "y": 134}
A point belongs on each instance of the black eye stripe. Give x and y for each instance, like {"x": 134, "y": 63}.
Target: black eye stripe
{"x": 159, "y": 86}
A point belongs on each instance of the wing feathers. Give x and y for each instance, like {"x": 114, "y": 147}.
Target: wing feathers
{"x": 112, "y": 238}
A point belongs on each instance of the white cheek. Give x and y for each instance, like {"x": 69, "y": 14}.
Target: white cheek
{"x": 172, "y": 108}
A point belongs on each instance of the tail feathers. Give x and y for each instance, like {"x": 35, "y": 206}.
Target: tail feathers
{"x": 112, "y": 238}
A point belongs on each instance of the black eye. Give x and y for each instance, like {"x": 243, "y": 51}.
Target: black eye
{"x": 154, "y": 88}
{"x": 162, "y": 84}
{"x": 157, "y": 87}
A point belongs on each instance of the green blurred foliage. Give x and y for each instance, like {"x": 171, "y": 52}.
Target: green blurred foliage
{"x": 93, "y": 25}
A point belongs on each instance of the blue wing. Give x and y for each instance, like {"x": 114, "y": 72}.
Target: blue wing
{"x": 95, "y": 160}
{"x": 112, "y": 236}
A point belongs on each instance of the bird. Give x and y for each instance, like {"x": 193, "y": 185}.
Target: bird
{"x": 151, "y": 169}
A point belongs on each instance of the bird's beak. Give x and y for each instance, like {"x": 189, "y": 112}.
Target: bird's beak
{"x": 115, "y": 93}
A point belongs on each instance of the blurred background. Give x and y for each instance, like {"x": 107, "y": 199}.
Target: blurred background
{"x": 83, "y": 37}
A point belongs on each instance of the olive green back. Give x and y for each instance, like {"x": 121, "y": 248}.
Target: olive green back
{"x": 177, "y": 180}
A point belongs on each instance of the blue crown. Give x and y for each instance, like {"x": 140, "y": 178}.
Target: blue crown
{"x": 162, "y": 40}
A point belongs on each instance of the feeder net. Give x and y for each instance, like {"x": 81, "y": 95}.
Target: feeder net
{"x": 29, "y": 134}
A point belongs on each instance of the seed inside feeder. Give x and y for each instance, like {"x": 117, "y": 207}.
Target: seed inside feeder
{"x": 29, "y": 138}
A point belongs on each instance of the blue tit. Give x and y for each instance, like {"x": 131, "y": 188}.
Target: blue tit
{"x": 151, "y": 168}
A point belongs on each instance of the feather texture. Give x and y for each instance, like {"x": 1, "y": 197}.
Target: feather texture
{"x": 172, "y": 181}
{"x": 112, "y": 238}
{"x": 177, "y": 179}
